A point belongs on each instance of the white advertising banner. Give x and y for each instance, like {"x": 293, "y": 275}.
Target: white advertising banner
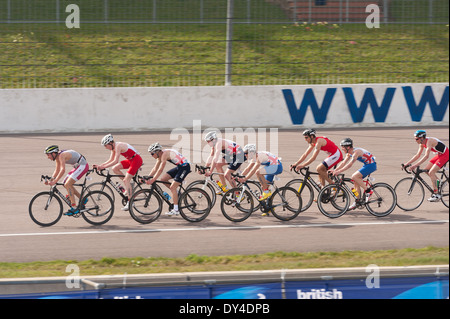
{"x": 142, "y": 109}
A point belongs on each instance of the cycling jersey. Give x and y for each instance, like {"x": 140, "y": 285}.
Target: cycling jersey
{"x": 267, "y": 158}
{"x": 80, "y": 165}
{"x": 130, "y": 153}
{"x": 366, "y": 158}
{"x": 440, "y": 147}
{"x": 76, "y": 158}
{"x": 176, "y": 157}
{"x": 133, "y": 160}
{"x": 329, "y": 147}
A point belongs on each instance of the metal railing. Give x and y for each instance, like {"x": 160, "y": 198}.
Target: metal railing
{"x": 221, "y": 42}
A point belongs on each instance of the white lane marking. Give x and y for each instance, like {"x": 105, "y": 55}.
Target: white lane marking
{"x": 159, "y": 230}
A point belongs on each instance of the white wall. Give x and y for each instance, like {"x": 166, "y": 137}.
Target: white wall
{"x": 135, "y": 109}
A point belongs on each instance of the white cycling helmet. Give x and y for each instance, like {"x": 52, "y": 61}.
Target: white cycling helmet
{"x": 107, "y": 139}
{"x": 154, "y": 147}
{"x": 210, "y": 136}
{"x": 250, "y": 148}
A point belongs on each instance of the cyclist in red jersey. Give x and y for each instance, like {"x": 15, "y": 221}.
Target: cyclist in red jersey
{"x": 317, "y": 144}
{"x": 133, "y": 161}
{"x": 430, "y": 144}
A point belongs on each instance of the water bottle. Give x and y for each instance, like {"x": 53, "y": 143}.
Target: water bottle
{"x": 222, "y": 187}
{"x": 355, "y": 192}
{"x": 437, "y": 184}
{"x": 122, "y": 189}
{"x": 167, "y": 196}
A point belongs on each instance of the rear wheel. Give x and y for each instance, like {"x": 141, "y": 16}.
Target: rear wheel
{"x": 285, "y": 203}
{"x": 194, "y": 205}
{"x": 383, "y": 200}
{"x": 333, "y": 201}
{"x": 145, "y": 206}
{"x": 99, "y": 208}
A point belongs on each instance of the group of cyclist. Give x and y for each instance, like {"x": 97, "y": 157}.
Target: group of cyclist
{"x": 228, "y": 153}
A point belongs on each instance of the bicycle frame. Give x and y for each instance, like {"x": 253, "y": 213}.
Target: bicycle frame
{"x": 108, "y": 180}
{"x": 307, "y": 178}
{"x": 418, "y": 177}
{"x": 55, "y": 190}
{"x": 209, "y": 180}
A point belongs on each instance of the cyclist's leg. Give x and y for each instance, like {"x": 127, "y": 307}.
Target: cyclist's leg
{"x": 327, "y": 164}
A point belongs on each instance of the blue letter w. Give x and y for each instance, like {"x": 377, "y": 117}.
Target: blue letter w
{"x": 416, "y": 111}
{"x": 379, "y": 112}
{"x": 298, "y": 114}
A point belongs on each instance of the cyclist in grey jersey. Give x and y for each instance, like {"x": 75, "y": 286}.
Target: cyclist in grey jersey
{"x": 80, "y": 167}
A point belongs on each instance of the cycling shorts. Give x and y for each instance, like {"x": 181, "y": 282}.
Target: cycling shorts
{"x": 180, "y": 172}
{"x": 77, "y": 172}
{"x": 133, "y": 164}
{"x": 440, "y": 159}
{"x": 271, "y": 171}
{"x": 333, "y": 159}
{"x": 368, "y": 169}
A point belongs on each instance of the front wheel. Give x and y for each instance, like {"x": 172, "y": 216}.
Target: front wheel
{"x": 410, "y": 193}
{"x": 333, "y": 201}
{"x": 237, "y": 205}
{"x": 285, "y": 203}
{"x": 383, "y": 200}
{"x": 98, "y": 208}
{"x": 45, "y": 209}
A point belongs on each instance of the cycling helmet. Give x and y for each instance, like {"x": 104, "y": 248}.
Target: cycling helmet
{"x": 309, "y": 132}
{"x": 347, "y": 142}
{"x": 420, "y": 133}
{"x": 210, "y": 136}
{"x": 51, "y": 149}
{"x": 250, "y": 148}
{"x": 154, "y": 147}
{"x": 107, "y": 139}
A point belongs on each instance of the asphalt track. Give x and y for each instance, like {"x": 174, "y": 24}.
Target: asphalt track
{"x": 23, "y": 162}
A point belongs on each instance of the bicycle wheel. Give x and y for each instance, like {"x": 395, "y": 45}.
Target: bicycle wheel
{"x": 194, "y": 205}
{"x": 285, "y": 203}
{"x": 237, "y": 205}
{"x": 444, "y": 193}
{"x": 383, "y": 200}
{"x": 307, "y": 194}
{"x": 99, "y": 208}
{"x": 145, "y": 206}
{"x": 45, "y": 209}
{"x": 333, "y": 201}
{"x": 207, "y": 187}
{"x": 409, "y": 195}
{"x": 103, "y": 188}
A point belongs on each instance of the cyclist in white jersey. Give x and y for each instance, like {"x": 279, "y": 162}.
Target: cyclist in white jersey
{"x": 223, "y": 152}
{"x": 354, "y": 154}
{"x": 178, "y": 173}
{"x": 80, "y": 167}
{"x": 271, "y": 166}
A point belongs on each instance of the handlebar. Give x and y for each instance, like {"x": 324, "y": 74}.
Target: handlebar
{"x": 418, "y": 170}
{"x": 201, "y": 169}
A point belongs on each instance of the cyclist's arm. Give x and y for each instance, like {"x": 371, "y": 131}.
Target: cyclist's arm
{"x": 315, "y": 153}
{"x": 425, "y": 156}
{"x": 340, "y": 166}
{"x": 250, "y": 169}
{"x": 348, "y": 162}
{"x": 60, "y": 168}
{"x": 415, "y": 157}
{"x": 303, "y": 157}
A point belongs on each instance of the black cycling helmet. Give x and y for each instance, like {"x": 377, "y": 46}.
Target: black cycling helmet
{"x": 309, "y": 132}
{"x": 347, "y": 142}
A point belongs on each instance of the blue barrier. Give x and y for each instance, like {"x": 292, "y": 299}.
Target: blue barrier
{"x": 426, "y": 287}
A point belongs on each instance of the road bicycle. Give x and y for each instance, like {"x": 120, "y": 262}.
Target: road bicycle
{"x": 411, "y": 192}
{"x": 237, "y": 204}
{"x": 46, "y": 208}
{"x": 211, "y": 186}
{"x": 305, "y": 186}
{"x": 146, "y": 205}
{"x": 334, "y": 199}
{"x": 108, "y": 186}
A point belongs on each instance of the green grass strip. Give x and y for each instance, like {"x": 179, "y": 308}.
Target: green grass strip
{"x": 195, "y": 263}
